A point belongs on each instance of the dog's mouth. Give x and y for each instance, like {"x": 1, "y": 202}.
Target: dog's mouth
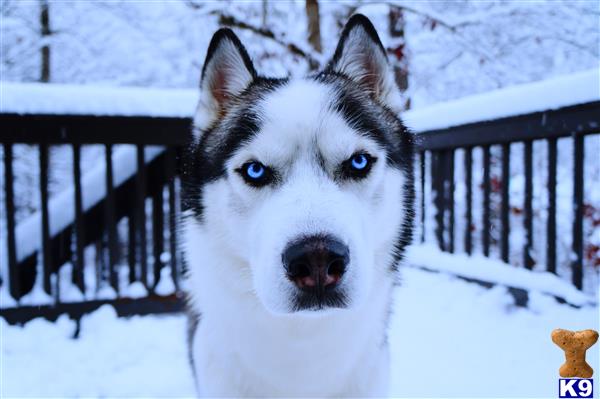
{"x": 319, "y": 298}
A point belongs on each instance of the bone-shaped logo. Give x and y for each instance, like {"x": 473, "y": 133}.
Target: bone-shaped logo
{"x": 575, "y": 343}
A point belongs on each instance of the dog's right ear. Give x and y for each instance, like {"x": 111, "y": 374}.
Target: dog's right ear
{"x": 227, "y": 72}
{"x": 361, "y": 57}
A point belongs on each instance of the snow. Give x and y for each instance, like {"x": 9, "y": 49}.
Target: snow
{"x": 69, "y": 292}
{"x": 6, "y": 300}
{"x": 140, "y": 356}
{"x": 135, "y": 290}
{"x": 490, "y": 270}
{"x": 40, "y": 98}
{"x": 447, "y": 338}
{"x": 165, "y": 285}
{"x": 450, "y": 338}
{"x": 37, "y": 296}
{"x": 576, "y": 88}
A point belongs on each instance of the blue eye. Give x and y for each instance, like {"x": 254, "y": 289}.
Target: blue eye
{"x": 357, "y": 166}
{"x": 255, "y": 170}
{"x": 256, "y": 174}
{"x": 359, "y": 161}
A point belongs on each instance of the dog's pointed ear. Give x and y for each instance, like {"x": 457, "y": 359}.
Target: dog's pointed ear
{"x": 227, "y": 72}
{"x": 361, "y": 57}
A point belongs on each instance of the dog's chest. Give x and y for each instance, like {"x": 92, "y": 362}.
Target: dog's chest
{"x": 288, "y": 362}
{"x": 252, "y": 353}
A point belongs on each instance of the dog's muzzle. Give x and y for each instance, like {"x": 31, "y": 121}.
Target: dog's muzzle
{"x": 316, "y": 265}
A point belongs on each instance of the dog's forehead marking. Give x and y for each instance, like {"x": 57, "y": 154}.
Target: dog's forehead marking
{"x": 297, "y": 106}
{"x": 299, "y": 119}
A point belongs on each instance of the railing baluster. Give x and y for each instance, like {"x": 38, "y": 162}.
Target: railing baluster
{"x": 469, "y": 199}
{"x": 528, "y": 209}
{"x": 100, "y": 263}
{"x": 157, "y": 230}
{"x": 140, "y": 195}
{"x": 486, "y": 201}
{"x": 577, "y": 247}
{"x": 46, "y": 245}
{"x": 551, "y": 224}
{"x": 13, "y": 278}
{"x": 111, "y": 225}
{"x": 505, "y": 211}
{"x": 422, "y": 176}
{"x": 78, "y": 279}
{"x": 171, "y": 175}
{"x": 437, "y": 185}
{"x": 450, "y": 196}
{"x": 131, "y": 246}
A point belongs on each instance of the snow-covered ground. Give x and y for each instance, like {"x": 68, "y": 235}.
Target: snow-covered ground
{"x": 448, "y": 337}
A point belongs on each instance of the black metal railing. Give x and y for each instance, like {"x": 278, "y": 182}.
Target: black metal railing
{"x": 439, "y": 147}
{"x": 117, "y": 225}
{"x": 97, "y": 226}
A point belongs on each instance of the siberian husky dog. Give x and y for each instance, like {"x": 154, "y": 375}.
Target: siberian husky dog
{"x": 299, "y": 203}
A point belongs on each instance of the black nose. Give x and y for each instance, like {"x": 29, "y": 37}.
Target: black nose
{"x": 315, "y": 262}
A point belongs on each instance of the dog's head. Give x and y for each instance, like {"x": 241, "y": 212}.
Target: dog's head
{"x": 306, "y": 183}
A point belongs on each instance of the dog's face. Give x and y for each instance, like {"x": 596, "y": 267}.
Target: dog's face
{"x": 306, "y": 183}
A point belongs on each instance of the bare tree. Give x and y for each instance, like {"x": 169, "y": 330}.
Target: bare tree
{"x": 264, "y": 12}
{"x": 400, "y": 60}
{"x": 230, "y": 20}
{"x": 314, "y": 24}
{"x": 45, "y": 33}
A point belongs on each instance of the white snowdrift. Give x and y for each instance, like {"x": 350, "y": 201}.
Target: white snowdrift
{"x": 562, "y": 91}
{"x": 494, "y": 271}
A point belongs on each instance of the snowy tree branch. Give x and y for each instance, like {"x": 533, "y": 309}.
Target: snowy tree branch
{"x": 230, "y": 20}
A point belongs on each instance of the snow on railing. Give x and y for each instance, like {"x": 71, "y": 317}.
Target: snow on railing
{"x": 481, "y": 268}
{"x": 38, "y": 98}
{"x": 562, "y": 91}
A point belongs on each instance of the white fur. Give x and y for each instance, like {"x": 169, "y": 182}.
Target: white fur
{"x": 248, "y": 342}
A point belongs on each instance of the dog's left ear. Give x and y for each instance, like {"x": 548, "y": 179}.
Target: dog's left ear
{"x": 361, "y": 57}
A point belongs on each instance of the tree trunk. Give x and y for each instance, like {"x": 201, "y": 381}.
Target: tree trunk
{"x": 314, "y": 24}
{"x": 45, "y": 32}
{"x": 265, "y": 10}
{"x": 400, "y": 62}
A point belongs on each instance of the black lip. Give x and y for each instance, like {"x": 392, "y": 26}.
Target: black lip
{"x": 314, "y": 300}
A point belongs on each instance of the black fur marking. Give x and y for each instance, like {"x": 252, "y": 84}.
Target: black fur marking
{"x": 216, "y": 41}
{"x": 193, "y": 320}
{"x": 205, "y": 160}
{"x": 367, "y": 115}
